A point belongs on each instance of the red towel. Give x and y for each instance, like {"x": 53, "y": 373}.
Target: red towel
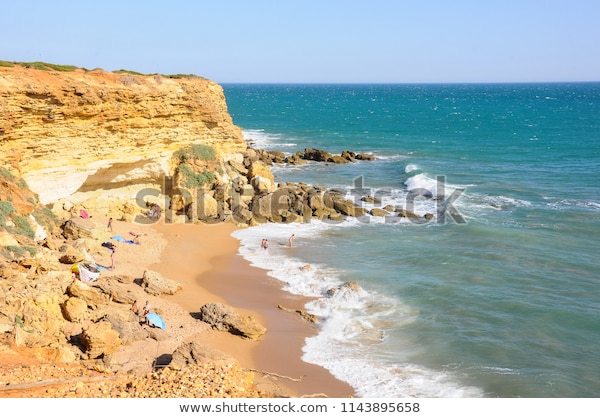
{"x": 84, "y": 214}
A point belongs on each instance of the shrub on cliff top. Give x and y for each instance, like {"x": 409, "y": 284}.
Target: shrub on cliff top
{"x": 193, "y": 179}
{"x": 196, "y": 152}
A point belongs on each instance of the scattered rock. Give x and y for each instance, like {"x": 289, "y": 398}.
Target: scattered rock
{"x": 262, "y": 184}
{"x": 403, "y": 213}
{"x": 116, "y": 291}
{"x": 348, "y": 155}
{"x": 127, "y": 325}
{"x": 92, "y": 296}
{"x": 75, "y": 309}
{"x": 239, "y": 167}
{"x": 295, "y": 159}
{"x": 348, "y": 208}
{"x": 428, "y": 216}
{"x": 157, "y": 334}
{"x": 155, "y": 284}
{"x": 224, "y": 318}
{"x": 70, "y": 255}
{"x": 100, "y": 339}
{"x": 365, "y": 157}
{"x": 194, "y": 353}
{"x": 314, "y": 154}
{"x": 371, "y": 199}
{"x": 345, "y": 287}
{"x": 76, "y": 228}
{"x": 308, "y": 317}
{"x": 337, "y": 159}
{"x": 378, "y": 212}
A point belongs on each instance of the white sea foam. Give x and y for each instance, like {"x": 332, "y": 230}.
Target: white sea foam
{"x": 573, "y": 203}
{"x": 394, "y": 157}
{"x": 353, "y": 322}
{"x": 266, "y": 140}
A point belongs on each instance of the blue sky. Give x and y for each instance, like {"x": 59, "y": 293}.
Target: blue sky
{"x": 314, "y": 41}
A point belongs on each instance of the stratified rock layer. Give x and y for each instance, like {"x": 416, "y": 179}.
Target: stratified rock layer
{"x": 86, "y": 132}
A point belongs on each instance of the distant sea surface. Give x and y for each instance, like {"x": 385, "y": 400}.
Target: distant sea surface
{"x": 507, "y": 304}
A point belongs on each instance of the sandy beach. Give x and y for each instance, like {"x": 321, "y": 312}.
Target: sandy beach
{"x": 204, "y": 259}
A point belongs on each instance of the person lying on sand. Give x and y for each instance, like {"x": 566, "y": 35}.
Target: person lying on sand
{"x": 136, "y": 237}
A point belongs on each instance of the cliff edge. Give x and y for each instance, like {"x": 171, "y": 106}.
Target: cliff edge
{"x": 81, "y": 133}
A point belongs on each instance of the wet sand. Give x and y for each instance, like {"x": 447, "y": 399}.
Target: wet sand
{"x": 204, "y": 259}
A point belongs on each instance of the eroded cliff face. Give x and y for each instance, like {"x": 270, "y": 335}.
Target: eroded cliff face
{"x": 84, "y": 134}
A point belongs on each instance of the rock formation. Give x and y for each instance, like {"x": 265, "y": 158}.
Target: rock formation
{"x": 224, "y": 318}
{"x": 81, "y": 133}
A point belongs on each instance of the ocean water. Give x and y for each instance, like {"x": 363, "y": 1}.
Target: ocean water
{"x": 505, "y": 304}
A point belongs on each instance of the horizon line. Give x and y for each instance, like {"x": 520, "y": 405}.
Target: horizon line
{"x": 405, "y": 82}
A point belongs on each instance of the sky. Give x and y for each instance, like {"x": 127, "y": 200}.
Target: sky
{"x": 309, "y": 41}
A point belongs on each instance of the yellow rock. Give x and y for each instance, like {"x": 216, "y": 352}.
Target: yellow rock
{"x": 90, "y": 133}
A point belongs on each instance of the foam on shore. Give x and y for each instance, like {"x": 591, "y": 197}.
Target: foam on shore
{"x": 353, "y": 323}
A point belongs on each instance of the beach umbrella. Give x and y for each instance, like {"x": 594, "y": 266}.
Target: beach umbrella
{"x": 156, "y": 320}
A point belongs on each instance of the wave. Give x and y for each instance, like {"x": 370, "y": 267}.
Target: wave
{"x": 265, "y": 140}
{"x": 393, "y": 157}
{"x": 353, "y": 321}
{"x": 561, "y": 204}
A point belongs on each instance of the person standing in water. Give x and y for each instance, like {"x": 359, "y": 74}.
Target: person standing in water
{"x": 291, "y": 240}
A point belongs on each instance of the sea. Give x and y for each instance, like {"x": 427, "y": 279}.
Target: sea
{"x": 500, "y": 300}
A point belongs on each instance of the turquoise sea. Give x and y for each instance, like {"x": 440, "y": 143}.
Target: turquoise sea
{"x": 507, "y": 304}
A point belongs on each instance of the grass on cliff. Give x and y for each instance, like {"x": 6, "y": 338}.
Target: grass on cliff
{"x": 22, "y": 227}
{"x": 46, "y": 66}
{"x": 45, "y": 217}
{"x": 39, "y": 65}
{"x": 6, "y": 209}
{"x": 192, "y": 179}
{"x": 6, "y": 174}
{"x": 19, "y": 251}
{"x": 196, "y": 152}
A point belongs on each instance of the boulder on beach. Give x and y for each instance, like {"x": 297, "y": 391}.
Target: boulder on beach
{"x": 224, "y": 318}
{"x": 117, "y": 291}
{"x": 193, "y": 353}
{"x": 76, "y": 228}
{"x": 155, "y": 284}
{"x": 308, "y": 317}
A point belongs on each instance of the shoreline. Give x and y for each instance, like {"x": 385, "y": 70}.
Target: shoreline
{"x": 211, "y": 270}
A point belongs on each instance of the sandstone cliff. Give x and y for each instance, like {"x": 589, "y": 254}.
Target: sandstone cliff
{"x": 83, "y": 133}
